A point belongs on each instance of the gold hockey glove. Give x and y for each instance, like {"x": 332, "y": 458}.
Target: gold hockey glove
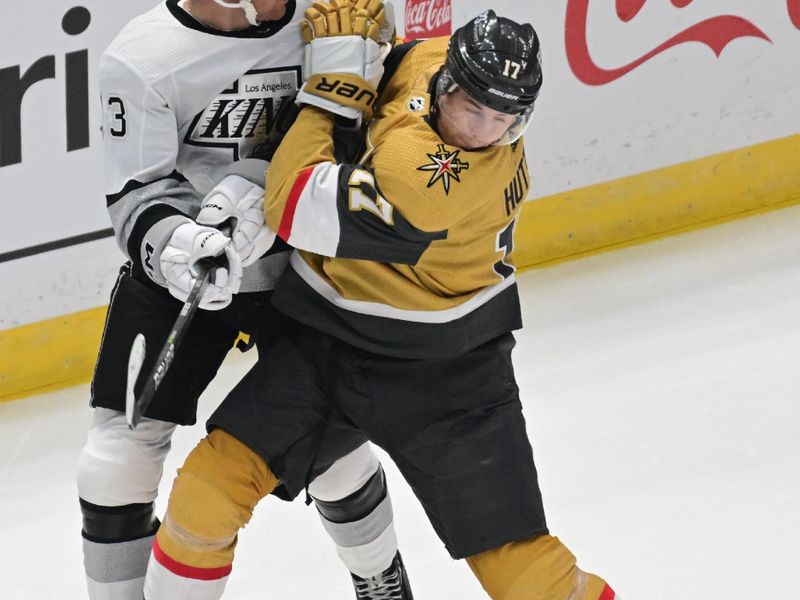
{"x": 363, "y": 18}
{"x": 344, "y": 54}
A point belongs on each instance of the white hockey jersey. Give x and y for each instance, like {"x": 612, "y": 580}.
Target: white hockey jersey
{"x": 182, "y": 102}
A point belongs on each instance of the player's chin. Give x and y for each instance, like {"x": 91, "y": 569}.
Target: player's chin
{"x": 471, "y": 145}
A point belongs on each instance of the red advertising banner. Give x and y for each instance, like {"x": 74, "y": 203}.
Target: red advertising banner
{"x": 428, "y": 18}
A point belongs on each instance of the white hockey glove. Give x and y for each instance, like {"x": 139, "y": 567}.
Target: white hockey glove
{"x": 190, "y": 243}
{"x": 346, "y": 44}
{"x": 241, "y": 202}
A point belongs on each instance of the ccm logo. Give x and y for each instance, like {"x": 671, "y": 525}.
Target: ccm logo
{"x": 346, "y": 90}
{"x": 207, "y": 237}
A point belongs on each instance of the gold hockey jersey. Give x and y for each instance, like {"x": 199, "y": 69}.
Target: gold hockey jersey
{"x": 408, "y": 252}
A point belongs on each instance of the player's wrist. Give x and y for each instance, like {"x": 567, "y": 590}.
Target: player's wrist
{"x": 153, "y": 243}
{"x": 343, "y": 74}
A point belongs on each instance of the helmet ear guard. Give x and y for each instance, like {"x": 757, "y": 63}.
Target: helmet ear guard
{"x": 496, "y": 62}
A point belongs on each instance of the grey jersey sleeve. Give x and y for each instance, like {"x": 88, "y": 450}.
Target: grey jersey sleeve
{"x": 147, "y": 197}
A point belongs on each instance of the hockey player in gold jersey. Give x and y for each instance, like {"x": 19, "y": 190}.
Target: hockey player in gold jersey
{"x": 433, "y": 220}
{"x": 402, "y": 299}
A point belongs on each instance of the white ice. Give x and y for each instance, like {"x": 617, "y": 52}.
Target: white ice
{"x": 662, "y": 392}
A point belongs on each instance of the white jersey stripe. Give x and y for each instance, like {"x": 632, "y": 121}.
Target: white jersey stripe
{"x": 315, "y": 226}
{"x": 377, "y": 309}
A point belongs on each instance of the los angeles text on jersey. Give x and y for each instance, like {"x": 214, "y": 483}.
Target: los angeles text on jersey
{"x": 243, "y": 114}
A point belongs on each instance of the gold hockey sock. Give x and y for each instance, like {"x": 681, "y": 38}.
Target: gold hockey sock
{"x": 213, "y": 496}
{"x": 540, "y": 568}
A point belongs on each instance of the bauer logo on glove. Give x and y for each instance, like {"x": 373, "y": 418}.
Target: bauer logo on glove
{"x": 352, "y": 90}
{"x": 346, "y": 44}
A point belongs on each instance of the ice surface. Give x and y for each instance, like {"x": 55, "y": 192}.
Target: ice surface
{"x": 662, "y": 393}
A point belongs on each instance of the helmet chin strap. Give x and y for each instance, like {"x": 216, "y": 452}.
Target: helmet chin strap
{"x": 250, "y": 12}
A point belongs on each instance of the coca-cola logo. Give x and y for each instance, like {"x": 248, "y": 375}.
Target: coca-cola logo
{"x": 716, "y": 32}
{"x": 428, "y": 18}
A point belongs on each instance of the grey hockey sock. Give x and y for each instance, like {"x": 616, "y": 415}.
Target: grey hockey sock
{"x": 361, "y": 526}
{"x": 116, "y": 547}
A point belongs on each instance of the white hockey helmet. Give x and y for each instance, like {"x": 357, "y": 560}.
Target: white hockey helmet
{"x": 250, "y": 12}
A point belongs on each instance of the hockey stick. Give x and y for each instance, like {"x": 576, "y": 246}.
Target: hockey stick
{"x": 136, "y": 405}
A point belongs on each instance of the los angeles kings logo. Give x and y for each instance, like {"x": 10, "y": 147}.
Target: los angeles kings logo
{"x": 241, "y": 116}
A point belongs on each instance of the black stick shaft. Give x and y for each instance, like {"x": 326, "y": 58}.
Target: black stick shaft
{"x": 174, "y": 339}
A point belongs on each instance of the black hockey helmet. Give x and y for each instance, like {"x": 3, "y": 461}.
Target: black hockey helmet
{"x": 497, "y": 62}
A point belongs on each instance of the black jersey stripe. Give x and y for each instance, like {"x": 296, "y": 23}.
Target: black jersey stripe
{"x": 392, "y": 62}
{"x": 394, "y": 337}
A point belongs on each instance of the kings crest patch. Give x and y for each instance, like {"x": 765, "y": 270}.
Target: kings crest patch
{"x": 445, "y": 166}
{"x": 241, "y": 116}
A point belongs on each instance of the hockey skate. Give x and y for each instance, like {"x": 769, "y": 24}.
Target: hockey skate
{"x": 392, "y": 584}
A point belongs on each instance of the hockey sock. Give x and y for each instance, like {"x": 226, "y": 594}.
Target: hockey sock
{"x": 540, "y": 568}
{"x": 361, "y": 525}
{"x": 213, "y": 496}
{"x": 116, "y": 545}
{"x": 118, "y": 475}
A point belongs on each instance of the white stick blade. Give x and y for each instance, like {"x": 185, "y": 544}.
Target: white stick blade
{"x": 135, "y": 361}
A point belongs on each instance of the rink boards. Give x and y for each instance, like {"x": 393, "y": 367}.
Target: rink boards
{"x": 654, "y": 117}
{"x": 61, "y": 352}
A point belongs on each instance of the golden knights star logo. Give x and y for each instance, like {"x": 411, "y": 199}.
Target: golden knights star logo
{"x": 445, "y": 165}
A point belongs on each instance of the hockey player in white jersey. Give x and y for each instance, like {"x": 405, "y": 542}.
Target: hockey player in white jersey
{"x": 188, "y": 90}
